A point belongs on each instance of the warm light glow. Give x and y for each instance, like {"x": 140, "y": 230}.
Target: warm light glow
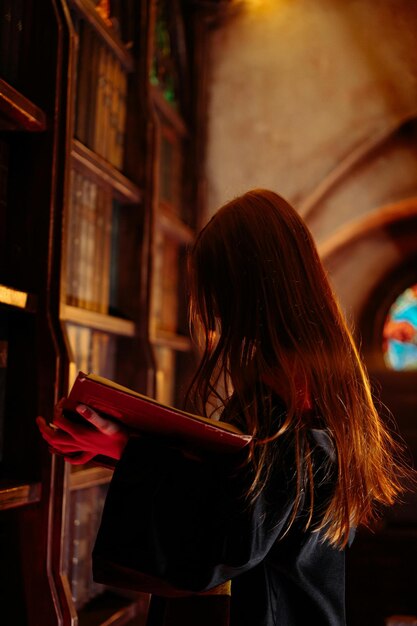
{"x": 260, "y": 5}
{"x": 13, "y": 297}
{"x": 212, "y": 339}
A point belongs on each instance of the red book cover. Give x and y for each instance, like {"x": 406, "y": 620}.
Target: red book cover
{"x": 146, "y": 415}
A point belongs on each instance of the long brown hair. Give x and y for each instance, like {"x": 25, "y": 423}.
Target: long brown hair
{"x": 260, "y": 295}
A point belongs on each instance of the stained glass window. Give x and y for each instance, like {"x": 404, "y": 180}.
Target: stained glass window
{"x": 163, "y": 70}
{"x": 400, "y": 332}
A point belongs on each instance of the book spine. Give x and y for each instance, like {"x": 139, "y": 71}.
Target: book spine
{"x": 78, "y": 239}
{"x": 112, "y": 124}
{"x": 84, "y": 343}
{"x": 165, "y": 375}
{"x": 102, "y": 353}
{"x": 157, "y": 293}
{"x": 105, "y": 131}
{"x": 80, "y": 339}
{"x": 84, "y": 77}
{"x": 114, "y": 262}
{"x": 169, "y": 279}
{"x": 98, "y": 268}
{"x": 72, "y": 338}
{"x": 108, "y": 234}
{"x": 100, "y": 100}
{"x": 121, "y": 122}
{"x": 93, "y": 89}
{"x": 70, "y": 242}
{"x": 90, "y": 268}
{"x": 83, "y": 242}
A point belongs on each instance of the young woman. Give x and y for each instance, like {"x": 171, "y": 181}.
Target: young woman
{"x": 279, "y": 361}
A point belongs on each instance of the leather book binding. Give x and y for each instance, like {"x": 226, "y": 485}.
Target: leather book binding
{"x": 148, "y": 416}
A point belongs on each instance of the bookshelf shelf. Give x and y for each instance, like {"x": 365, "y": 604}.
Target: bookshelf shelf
{"x": 125, "y": 615}
{"x": 17, "y": 299}
{"x": 117, "y": 173}
{"x": 89, "y": 477}
{"x": 17, "y": 112}
{"x": 174, "y": 226}
{"x": 96, "y": 166}
{"x": 105, "y": 31}
{"x": 168, "y": 111}
{"x": 98, "y": 321}
{"x": 121, "y": 610}
{"x": 19, "y": 495}
{"x": 171, "y": 340}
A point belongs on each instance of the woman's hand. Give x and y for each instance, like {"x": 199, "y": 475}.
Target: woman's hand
{"x": 79, "y": 443}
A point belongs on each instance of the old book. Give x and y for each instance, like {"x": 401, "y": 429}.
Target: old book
{"x": 91, "y": 268}
{"x": 98, "y": 114}
{"x": 74, "y": 231}
{"x": 106, "y": 237}
{"x": 94, "y": 69}
{"x": 113, "y": 111}
{"x": 80, "y": 341}
{"x": 103, "y": 353}
{"x": 146, "y": 415}
{"x": 98, "y": 250}
{"x": 84, "y": 79}
{"x": 170, "y": 280}
{"x": 121, "y": 117}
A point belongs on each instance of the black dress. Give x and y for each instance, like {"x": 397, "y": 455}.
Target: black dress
{"x": 185, "y": 521}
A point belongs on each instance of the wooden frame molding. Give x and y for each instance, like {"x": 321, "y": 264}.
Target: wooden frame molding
{"x": 350, "y": 162}
{"x": 379, "y": 218}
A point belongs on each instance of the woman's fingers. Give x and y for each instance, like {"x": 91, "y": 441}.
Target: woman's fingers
{"x": 47, "y": 430}
{"x": 57, "y": 438}
{"x": 102, "y": 424}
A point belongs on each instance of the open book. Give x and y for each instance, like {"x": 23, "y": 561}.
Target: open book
{"x": 146, "y": 415}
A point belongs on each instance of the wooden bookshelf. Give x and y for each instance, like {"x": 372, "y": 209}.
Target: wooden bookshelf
{"x": 99, "y": 197}
{"x": 169, "y": 113}
{"x": 102, "y": 171}
{"x": 89, "y": 477}
{"x": 172, "y": 341}
{"x": 105, "y": 32}
{"x": 98, "y": 321}
{"x": 120, "y": 611}
{"x": 17, "y": 299}
{"x": 19, "y": 495}
{"x": 173, "y": 225}
{"x": 18, "y": 112}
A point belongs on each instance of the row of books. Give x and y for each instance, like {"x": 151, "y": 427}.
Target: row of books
{"x": 85, "y": 513}
{"x": 120, "y": 16}
{"x": 165, "y": 293}
{"x": 93, "y": 350}
{"x": 101, "y": 97}
{"x": 89, "y": 241}
{"x": 13, "y": 19}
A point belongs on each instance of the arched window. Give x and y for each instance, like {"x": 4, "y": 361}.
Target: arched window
{"x": 400, "y": 332}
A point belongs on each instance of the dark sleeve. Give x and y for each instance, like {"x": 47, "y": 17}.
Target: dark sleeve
{"x": 186, "y": 521}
